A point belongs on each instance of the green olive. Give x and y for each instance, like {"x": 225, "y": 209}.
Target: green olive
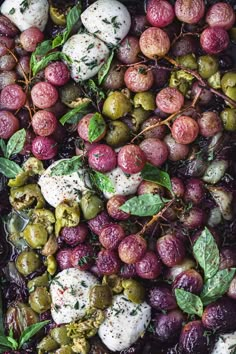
{"x": 40, "y": 300}
{"x": 41, "y": 280}
{"x": 232, "y": 34}
{"x": 214, "y": 80}
{"x": 146, "y": 100}
{"x": 181, "y": 80}
{"x": 118, "y": 134}
{"x": 114, "y": 282}
{"x": 47, "y": 344}
{"x": 139, "y": 115}
{"x": 50, "y": 247}
{"x": 26, "y": 196}
{"x": 91, "y": 205}
{"x": 70, "y": 94}
{"x": 100, "y": 296}
{"x": 33, "y": 166}
{"x": 19, "y": 180}
{"x": 189, "y": 61}
{"x": 116, "y": 105}
{"x": 134, "y": 291}
{"x": 207, "y": 66}
{"x": 27, "y": 262}
{"x": 64, "y": 350}
{"x": 67, "y": 215}
{"x": 59, "y": 334}
{"x": 228, "y": 117}
{"x": 51, "y": 264}
{"x": 35, "y": 235}
{"x": 228, "y": 83}
{"x": 45, "y": 217}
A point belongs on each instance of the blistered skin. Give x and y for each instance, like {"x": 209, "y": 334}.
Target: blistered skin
{"x": 214, "y": 40}
{"x": 138, "y": 78}
{"x": 154, "y": 42}
{"x": 44, "y": 147}
{"x": 192, "y": 339}
{"x": 221, "y": 15}
{"x": 44, "y": 123}
{"x": 160, "y": 13}
{"x": 12, "y": 97}
{"x": 156, "y": 151}
{"x": 169, "y": 100}
{"x": 189, "y": 11}
{"x": 171, "y": 250}
{"x": 131, "y": 159}
{"x": 185, "y": 130}
{"x": 44, "y": 95}
{"x": 9, "y": 124}
{"x": 132, "y": 248}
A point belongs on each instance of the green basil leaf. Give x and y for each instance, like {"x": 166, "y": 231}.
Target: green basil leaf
{"x": 102, "y": 182}
{"x": 206, "y": 253}
{"x": 82, "y": 109}
{"x": 154, "y": 174}
{"x": 16, "y": 143}
{"x": 144, "y": 205}
{"x": 92, "y": 89}
{"x": 105, "y": 68}
{"x": 3, "y": 147}
{"x": 41, "y": 50}
{"x": 97, "y": 127}
{"x": 13, "y": 342}
{"x": 9, "y": 168}
{"x": 30, "y": 331}
{"x": 41, "y": 64}
{"x": 188, "y": 302}
{"x": 217, "y": 286}
{"x": 67, "y": 166}
{"x": 5, "y": 342}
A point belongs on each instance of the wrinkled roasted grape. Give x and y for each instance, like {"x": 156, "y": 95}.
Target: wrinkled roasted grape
{"x": 44, "y": 95}
{"x": 158, "y": 132}
{"x": 194, "y": 218}
{"x": 189, "y": 11}
{"x": 169, "y": 100}
{"x": 44, "y": 123}
{"x": 214, "y": 40}
{"x": 12, "y": 97}
{"x": 160, "y": 13}
{"x": 128, "y": 50}
{"x": 185, "y": 45}
{"x": 132, "y": 248}
{"x": 227, "y": 257}
{"x": 30, "y": 38}
{"x": 138, "y": 78}
{"x": 209, "y": 124}
{"x": 192, "y": 339}
{"x": 220, "y": 15}
{"x": 82, "y": 256}
{"x": 149, "y": 267}
{"x": 108, "y": 262}
{"x": 189, "y": 280}
{"x": 128, "y": 271}
{"x": 102, "y": 158}
{"x": 161, "y": 76}
{"x": 155, "y": 150}
{"x": 9, "y": 124}
{"x": 168, "y": 326}
{"x": 138, "y": 24}
{"x": 184, "y": 130}
{"x": 44, "y": 148}
{"x": 205, "y": 96}
{"x": 57, "y": 73}
{"x": 23, "y": 66}
{"x": 7, "y": 28}
{"x": 147, "y": 187}
{"x": 154, "y": 42}
{"x": 113, "y": 207}
{"x": 176, "y": 151}
{"x": 160, "y": 297}
{"x": 111, "y": 235}
{"x": 194, "y": 191}
{"x": 74, "y": 235}
{"x": 131, "y": 159}
{"x": 7, "y": 62}
{"x": 178, "y": 187}
{"x": 83, "y": 128}
{"x": 96, "y": 224}
{"x": 63, "y": 258}
{"x": 170, "y": 249}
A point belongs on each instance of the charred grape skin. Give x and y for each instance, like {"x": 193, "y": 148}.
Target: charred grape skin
{"x": 192, "y": 339}
{"x": 12, "y": 97}
{"x": 113, "y": 207}
{"x": 44, "y": 123}
{"x": 83, "y": 128}
{"x": 63, "y": 258}
{"x": 168, "y": 326}
{"x": 194, "y": 191}
{"x": 169, "y": 100}
{"x": 220, "y": 15}
{"x": 176, "y": 151}
{"x": 57, "y": 73}
{"x": 74, "y": 235}
{"x": 209, "y": 124}
{"x": 214, "y": 40}
{"x": 111, "y": 235}
{"x": 96, "y": 224}
{"x": 102, "y": 158}
{"x": 194, "y": 218}
{"x": 191, "y": 11}
{"x": 149, "y": 267}
{"x": 44, "y": 95}
{"x": 154, "y": 42}
{"x": 138, "y": 78}
{"x": 108, "y": 262}
{"x": 132, "y": 248}
{"x": 160, "y": 13}
{"x": 220, "y": 315}
{"x": 160, "y": 297}
{"x": 9, "y": 124}
{"x": 131, "y": 159}
{"x": 177, "y": 186}
{"x": 189, "y": 280}
{"x": 82, "y": 256}
{"x": 170, "y": 249}
{"x": 128, "y": 50}
{"x": 158, "y": 132}
{"x": 155, "y": 150}
{"x": 44, "y": 148}
{"x": 184, "y": 130}
{"x": 30, "y": 38}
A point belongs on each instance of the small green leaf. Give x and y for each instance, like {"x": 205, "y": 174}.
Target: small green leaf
{"x": 3, "y": 147}
{"x": 41, "y": 64}
{"x": 144, "y": 205}
{"x": 13, "y": 342}
{"x": 30, "y": 331}
{"x": 189, "y": 302}
{"x": 16, "y": 143}
{"x": 97, "y": 127}
{"x": 105, "y": 68}
{"x": 9, "y": 168}
{"x": 82, "y": 109}
{"x": 206, "y": 253}
{"x": 154, "y": 174}
{"x": 5, "y": 342}
{"x": 217, "y": 286}
{"x": 102, "y": 182}
{"x": 66, "y": 166}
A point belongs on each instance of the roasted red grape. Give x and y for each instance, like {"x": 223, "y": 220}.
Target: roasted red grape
{"x": 44, "y": 123}
{"x": 128, "y": 50}
{"x": 160, "y": 13}
{"x": 149, "y": 267}
{"x": 57, "y": 73}
{"x": 44, "y": 95}
{"x": 155, "y": 150}
{"x": 111, "y": 235}
{"x": 176, "y": 151}
{"x": 147, "y": 187}
{"x": 83, "y": 128}
{"x": 209, "y": 124}
{"x": 30, "y": 38}
{"x": 9, "y": 124}
{"x": 96, "y": 224}
{"x": 220, "y": 15}
{"x": 132, "y": 248}
{"x": 214, "y": 40}
{"x": 82, "y": 256}
{"x": 44, "y": 148}
{"x": 158, "y": 132}
{"x": 177, "y": 187}
{"x": 184, "y": 130}
{"x": 12, "y": 97}
{"x": 189, "y": 280}
{"x": 154, "y": 42}
{"x": 113, "y": 207}
{"x": 108, "y": 262}
{"x": 189, "y": 11}
{"x": 74, "y": 235}
{"x": 138, "y": 78}
{"x": 64, "y": 258}
{"x": 160, "y": 297}
{"x": 170, "y": 249}
{"x": 169, "y": 100}
{"x": 194, "y": 191}
{"x": 131, "y": 159}
{"x": 102, "y": 158}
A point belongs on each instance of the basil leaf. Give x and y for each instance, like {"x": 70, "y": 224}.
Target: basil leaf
{"x": 41, "y": 64}
{"x": 13, "y": 342}
{"x": 92, "y": 89}
{"x": 188, "y": 302}
{"x": 16, "y": 143}
{"x": 71, "y": 20}
{"x": 30, "y": 331}
{"x": 9, "y": 168}
{"x": 81, "y": 109}
{"x": 154, "y": 174}
{"x": 5, "y": 342}
{"x": 3, "y": 146}
{"x": 67, "y": 166}
{"x": 105, "y": 68}
{"x": 217, "y": 285}
{"x": 102, "y": 182}
{"x": 206, "y": 253}
{"x": 144, "y": 205}
{"x": 97, "y": 127}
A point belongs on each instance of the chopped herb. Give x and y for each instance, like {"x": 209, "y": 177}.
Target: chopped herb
{"x": 134, "y": 312}
{"x": 12, "y": 11}
{"x": 142, "y": 70}
{"x": 92, "y": 64}
{"x": 117, "y": 311}
{"x": 23, "y": 6}
{"x": 56, "y": 307}
{"x": 105, "y": 20}
{"x": 124, "y": 298}
{"x": 76, "y": 307}
{"x": 73, "y": 292}
{"x": 116, "y": 25}
{"x": 90, "y": 46}
{"x": 84, "y": 58}
{"x": 151, "y": 329}
{"x": 83, "y": 284}
{"x": 84, "y": 260}
{"x": 58, "y": 283}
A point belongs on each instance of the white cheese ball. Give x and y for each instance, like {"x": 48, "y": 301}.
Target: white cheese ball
{"x": 125, "y": 322}
{"x": 123, "y": 184}
{"x": 109, "y": 20}
{"x": 57, "y": 189}
{"x": 225, "y": 344}
{"x": 70, "y": 294}
{"x": 26, "y": 14}
{"x": 87, "y": 53}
